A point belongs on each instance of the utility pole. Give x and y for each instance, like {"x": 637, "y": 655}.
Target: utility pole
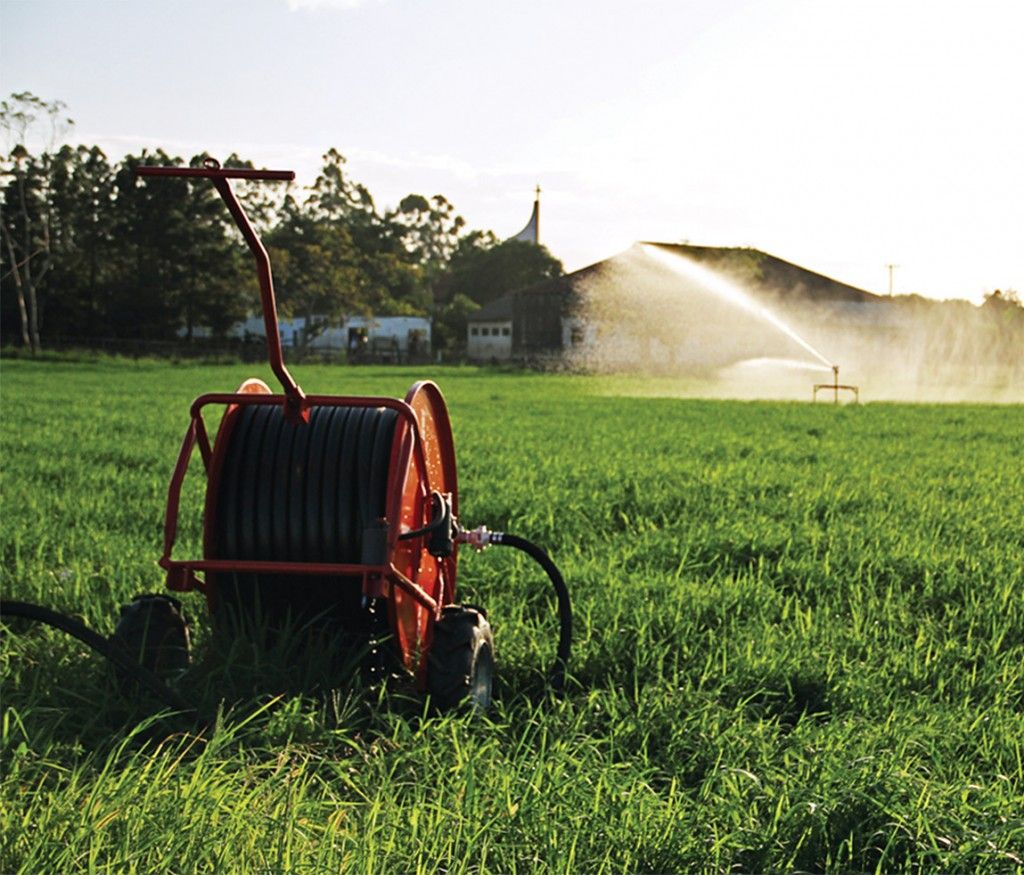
{"x": 891, "y": 267}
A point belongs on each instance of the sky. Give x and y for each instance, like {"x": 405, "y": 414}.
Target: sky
{"x": 843, "y": 136}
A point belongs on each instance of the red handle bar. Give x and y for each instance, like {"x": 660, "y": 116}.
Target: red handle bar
{"x": 216, "y": 172}
{"x": 296, "y": 406}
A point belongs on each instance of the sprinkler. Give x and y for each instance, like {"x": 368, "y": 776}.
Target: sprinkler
{"x": 329, "y": 512}
{"x": 835, "y": 386}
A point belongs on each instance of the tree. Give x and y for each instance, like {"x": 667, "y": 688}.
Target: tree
{"x": 1003, "y": 313}
{"x": 318, "y": 247}
{"x": 84, "y": 249}
{"x": 26, "y": 238}
{"x": 1006, "y": 302}
{"x": 27, "y": 215}
{"x": 315, "y": 267}
{"x": 485, "y": 270}
{"x": 180, "y": 266}
{"x": 396, "y": 257}
{"x": 429, "y": 230}
{"x": 262, "y": 201}
{"x": 334, "y": 254}
{"x": 449, "y": 330}
{"x": 334, "y": 198}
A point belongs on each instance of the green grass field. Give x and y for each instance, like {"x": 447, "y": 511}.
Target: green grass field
{"x": 799, "y": 645}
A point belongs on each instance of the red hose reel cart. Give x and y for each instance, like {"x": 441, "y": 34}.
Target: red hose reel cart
{"x": 328, "y": 509}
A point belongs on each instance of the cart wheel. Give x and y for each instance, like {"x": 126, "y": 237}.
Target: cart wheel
{"x": 460, "y": 668}
{"x": 154, "y": 631}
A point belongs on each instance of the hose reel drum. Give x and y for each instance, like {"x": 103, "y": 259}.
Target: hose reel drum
{"x": 334, "y": 495}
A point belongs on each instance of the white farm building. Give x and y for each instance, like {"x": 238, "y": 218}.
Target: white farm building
{"x": 390, "y": 339}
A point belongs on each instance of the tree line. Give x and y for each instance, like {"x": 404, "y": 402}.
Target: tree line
{"x": 89, "y": 250}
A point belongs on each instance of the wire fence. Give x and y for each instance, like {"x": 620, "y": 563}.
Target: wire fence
{"x": 227, "y": 350}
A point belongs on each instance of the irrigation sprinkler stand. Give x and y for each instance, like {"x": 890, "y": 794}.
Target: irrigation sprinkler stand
{"x": 835, "y": 386}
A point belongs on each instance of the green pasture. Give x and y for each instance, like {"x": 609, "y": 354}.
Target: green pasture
{"x": 799, "y": 644}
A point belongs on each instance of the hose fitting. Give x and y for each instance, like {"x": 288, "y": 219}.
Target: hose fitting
{"x": 479, "y": 538}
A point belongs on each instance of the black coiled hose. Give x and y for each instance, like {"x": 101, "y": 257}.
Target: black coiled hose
{"x": 103, "y": 646}
{"x": 561, "y": 665}
{"x": 313, "y": 492}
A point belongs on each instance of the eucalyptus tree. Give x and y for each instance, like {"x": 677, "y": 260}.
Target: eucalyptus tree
{"x": 26, "y": 216}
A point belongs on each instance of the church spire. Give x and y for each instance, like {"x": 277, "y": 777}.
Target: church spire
{"x": 531, "y": 233}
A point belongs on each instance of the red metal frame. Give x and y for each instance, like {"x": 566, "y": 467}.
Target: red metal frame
{"x": 415, "y": 584}
{"x": 296, "y": 405}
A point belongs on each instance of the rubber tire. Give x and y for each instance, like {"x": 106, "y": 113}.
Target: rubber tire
{"x": 154, "y": 632}
{"x": 460, "y": 665}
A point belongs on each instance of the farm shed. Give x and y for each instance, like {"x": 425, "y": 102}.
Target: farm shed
{"x": 489, "y": 334}
{"x": 630, "y": 308}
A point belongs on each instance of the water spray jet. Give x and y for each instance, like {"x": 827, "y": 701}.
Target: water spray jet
{"x": 726, "y": 290}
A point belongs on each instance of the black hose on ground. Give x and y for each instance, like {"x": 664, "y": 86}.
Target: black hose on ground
{"x": 561, "y": 591}
{"x": 103, "y": 646}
